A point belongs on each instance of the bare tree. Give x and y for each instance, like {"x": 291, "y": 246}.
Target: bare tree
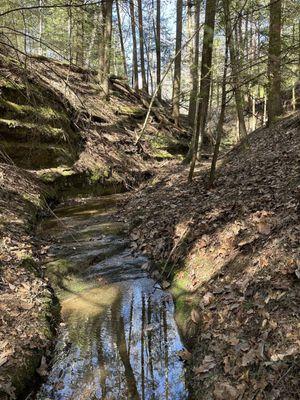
{"x": 274, "y": 105}
{"x": 135, "y": 75}
{"x": 106, "y": 54}
{"x": 158, "y": 49}
{"x": 177, "y": 64}
{"x": 194, "y": 68}
{"x": 142, "y": 53}
{"x": 121, "y": 39}
{"x": 203, "y": 98}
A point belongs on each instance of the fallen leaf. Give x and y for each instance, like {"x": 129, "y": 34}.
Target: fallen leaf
{"x": 264, "y": 228}
{"x": 184, "y": 355}
{"x": 248, "y": 358}
{"x": 207, "y": 364}
{"x": 208, "y": 298}
{"x": 225, "y": 391}
{"x": 42, "y": 370}
{"x": 195, "y": 316}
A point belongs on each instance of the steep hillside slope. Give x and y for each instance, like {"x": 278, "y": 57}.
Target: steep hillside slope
{"x": 233, "y": 254}
{"x": 53, "y": 117}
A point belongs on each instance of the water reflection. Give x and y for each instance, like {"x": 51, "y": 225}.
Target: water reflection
{"x": 119, "y": 339}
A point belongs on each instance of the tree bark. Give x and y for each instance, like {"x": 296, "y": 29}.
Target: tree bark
{"x": 194, "y": 70}
{"x": 234, "y": 62}
{"x": 158, "y": 50}
{"x": 142, "y": 52}
{"x": 177, "y": 64}
{"x": 274, "y": 104}
{"x": 96, "y": 21}
{"x": 107, "y": 33}
{"x": 121, "y": 39}
{"x": 220, "y": 121}
{"x": 203, "y": 98}
{"x": 135, "y": 75}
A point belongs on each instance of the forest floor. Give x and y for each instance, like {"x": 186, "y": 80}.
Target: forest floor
{"x": 231, "y": 251}
{"x": 235, "y": 251}
{"x": 27, "y": 301}
{"x": 59, "y": 137}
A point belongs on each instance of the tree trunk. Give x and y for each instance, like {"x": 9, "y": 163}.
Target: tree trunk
{"x": 135, "y": 75}
{"x": 220, "y": 121}
{"x": 142, "y": 52}
{"x": 234, "y": 62}
{"x": 203, "y": 100}
{"x": 158, "y": 50}
{"x": 194, "y": 70}
{"x": 107, "y": 33}
{"x": 274, "y": 104}
{"x": 121, "y": 39}
{"x": 96, "y": 21}
{"x": 177, "y": 64}
{"x": 40, "y": 48}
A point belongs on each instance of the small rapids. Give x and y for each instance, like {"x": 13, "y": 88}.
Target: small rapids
{"x": 118, "y": 338}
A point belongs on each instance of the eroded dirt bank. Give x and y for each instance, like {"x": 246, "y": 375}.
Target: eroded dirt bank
{"x": 233, "y": 255}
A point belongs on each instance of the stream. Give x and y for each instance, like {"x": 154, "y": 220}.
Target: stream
{"x": 118, "y": 338}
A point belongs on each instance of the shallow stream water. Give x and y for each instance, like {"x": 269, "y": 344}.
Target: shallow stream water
{"x": 118, "y": 338}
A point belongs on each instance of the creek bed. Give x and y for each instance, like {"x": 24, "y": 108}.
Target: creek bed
{"x": 118, "y": 338}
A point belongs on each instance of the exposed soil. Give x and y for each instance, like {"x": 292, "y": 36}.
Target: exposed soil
{"x": 233, "y": 253}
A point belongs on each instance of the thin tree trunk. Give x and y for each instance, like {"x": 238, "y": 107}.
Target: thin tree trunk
{"x": 135, "y": 75}
{"x": 102, "y": 41}
{"x": 177, "y": 64}
{"x": 274, "y": 104}
{"x": 158, "y": 50}
{"x": 96, "y": 21}
{"x": 203, "y": 100}
{"x": 239, "y": 100}
{"x": 220, "y": 121}
{"x": 40, "y": 49}
{"x": 121, "y": 40}
{"x": 107, "y": 21}
{"x": 70, "y": 33}
{"x": 142, "y": 52}
{"x": 194, "y": 70}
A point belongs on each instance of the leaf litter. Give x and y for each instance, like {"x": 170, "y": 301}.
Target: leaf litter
{"x": 239, "y": 258}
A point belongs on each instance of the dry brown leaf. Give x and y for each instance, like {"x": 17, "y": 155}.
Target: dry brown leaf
{"x": 248, "y": 358}
{"x": 185, "y": 355}
{"x": 207, "y": 364}
{"x": 225, "y": 391}
{"x": 208, "y": 298}
{"x": 264, "y": 228}
{"x": 195, "y": 316}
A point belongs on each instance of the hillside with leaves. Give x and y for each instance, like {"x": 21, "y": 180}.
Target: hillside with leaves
{"x": 232, "y": 252}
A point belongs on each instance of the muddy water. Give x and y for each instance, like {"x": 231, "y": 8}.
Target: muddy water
{"x": 118, "y": 338}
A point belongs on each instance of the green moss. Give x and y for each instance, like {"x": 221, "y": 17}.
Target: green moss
{"x": 51, "y": 175}
{"x": 38, "y": 155}
{"x": 95, "y": 176}
{"x": 165, "y": 146}
{"x": 134, "y": 111}
{"x": 59, "y": 267}
{"x": 9, "y": 84}
{"x": 32, "y": 128}
{"x": 30, "y": 264}
{"x": 162, "y": 154}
